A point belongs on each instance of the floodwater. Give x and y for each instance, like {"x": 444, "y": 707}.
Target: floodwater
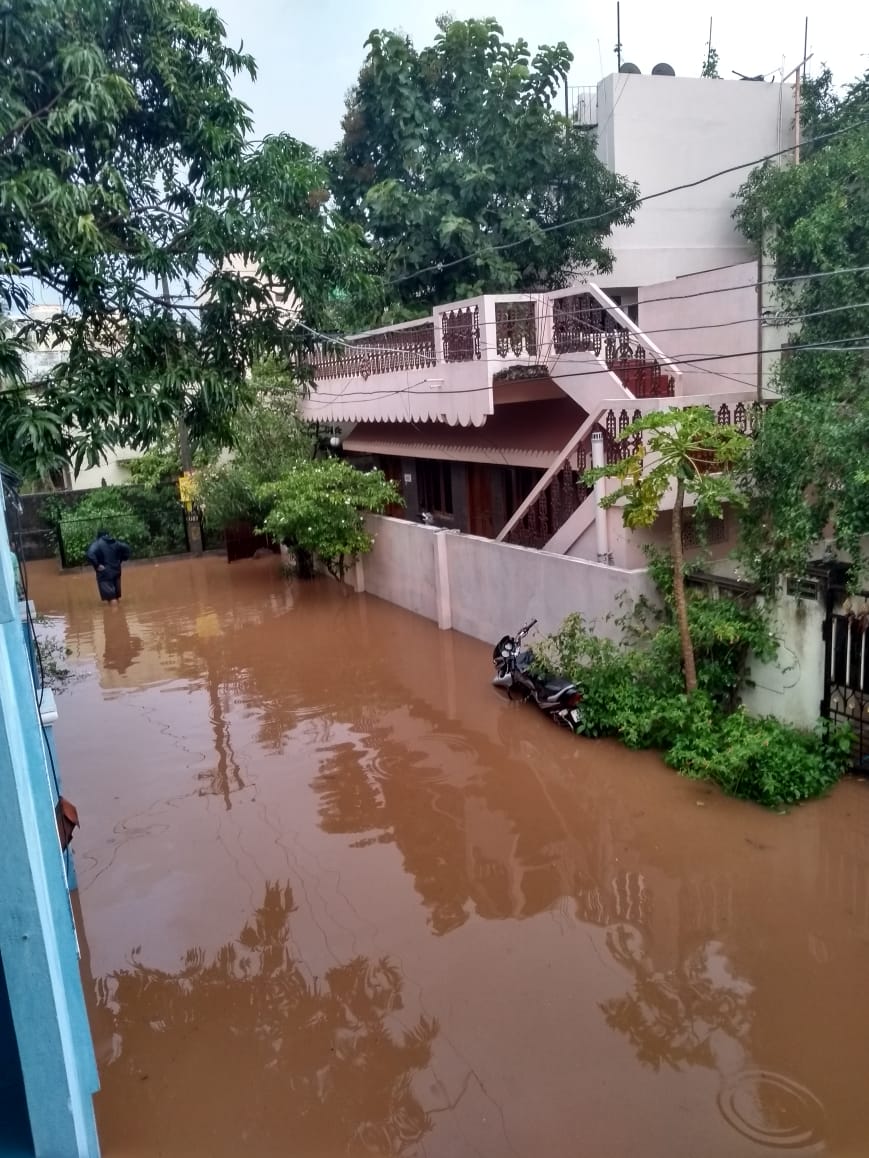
{"x": 340, "y": 897}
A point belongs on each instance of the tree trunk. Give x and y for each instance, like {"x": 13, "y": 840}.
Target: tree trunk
{"x": 194, "y": 527}
{"x": 304, "y": 563}
{"x": 679, "y": 592}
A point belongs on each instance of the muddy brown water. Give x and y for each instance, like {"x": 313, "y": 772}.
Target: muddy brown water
{"x": 340, "y": 897}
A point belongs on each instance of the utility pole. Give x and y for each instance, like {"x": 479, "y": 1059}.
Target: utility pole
{"x": 194, "y": 527}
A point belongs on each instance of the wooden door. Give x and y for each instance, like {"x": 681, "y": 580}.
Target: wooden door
{"x": 391, "y": 467}
{"x": 481, "y": 516}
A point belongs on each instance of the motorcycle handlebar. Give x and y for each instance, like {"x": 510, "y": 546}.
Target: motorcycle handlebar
{"x": 526, "y": 628}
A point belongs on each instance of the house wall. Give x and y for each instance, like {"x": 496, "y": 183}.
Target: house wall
{"x": 722, "y": 308}
{"x": 112, "y": 470}
{"x": 484, "y": 588}
{"x": 792, "y": 685}
{"x": 39, "y": 363}
{"x": 628, "y": 548}
{"x": 37, "y": 936}
{"x": 664, "y": 131}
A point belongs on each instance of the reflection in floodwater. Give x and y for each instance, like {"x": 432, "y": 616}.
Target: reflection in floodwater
{"x": 674, "y": 1018}
{"x": 489, "y": 937}
{"x": 121, "y": 648}
{"x": 334, "y": 1063}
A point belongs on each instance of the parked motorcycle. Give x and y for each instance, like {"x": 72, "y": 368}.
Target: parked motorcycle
{"x": 557, "y": 697}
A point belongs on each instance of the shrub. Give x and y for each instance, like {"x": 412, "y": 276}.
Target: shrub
{"x": 636, "y": 693}
{"x": 149, "y": 520}
{"x": 762, "y": 759}
{"x": 318, "y": 505}
{"x": 106, "y": 508}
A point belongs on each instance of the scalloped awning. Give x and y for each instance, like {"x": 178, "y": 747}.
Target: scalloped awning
{"x": 519, "y": 434}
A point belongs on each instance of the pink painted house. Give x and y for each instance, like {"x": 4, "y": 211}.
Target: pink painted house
{"x": 487, "y": 413}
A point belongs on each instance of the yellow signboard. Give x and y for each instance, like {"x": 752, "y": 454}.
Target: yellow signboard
{"x": 187, "y": 489}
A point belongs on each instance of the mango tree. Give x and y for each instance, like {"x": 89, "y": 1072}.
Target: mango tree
{"x": 318, "y": 506}
{"x": 687, "y": 451}
{"x": 457, "y": 163}
{"x": 129, "y": 189}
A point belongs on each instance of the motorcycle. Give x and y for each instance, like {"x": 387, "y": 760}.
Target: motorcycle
{"x": 557, "y": 697}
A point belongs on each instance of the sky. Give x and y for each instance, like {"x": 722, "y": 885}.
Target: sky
{"x": 308, "y": 52}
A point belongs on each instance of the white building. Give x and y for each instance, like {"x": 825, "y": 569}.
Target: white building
{"x": 663, "y": 131}
{"x": 38, "y": 364}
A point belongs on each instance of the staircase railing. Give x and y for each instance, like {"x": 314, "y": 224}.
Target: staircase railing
{"x": 562, "y": 489}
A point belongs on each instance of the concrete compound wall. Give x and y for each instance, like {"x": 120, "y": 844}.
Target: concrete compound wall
{"x": 792, "y": 685}
{"x": 484, "y": 588}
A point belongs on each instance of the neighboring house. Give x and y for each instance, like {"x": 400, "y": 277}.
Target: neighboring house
{"x": 484, "y": 413}
{"x": 487, "y": 414}
{"x": 39, "y": 363}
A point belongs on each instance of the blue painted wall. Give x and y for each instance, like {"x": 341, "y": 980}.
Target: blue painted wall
{"x": 38, "y": 944}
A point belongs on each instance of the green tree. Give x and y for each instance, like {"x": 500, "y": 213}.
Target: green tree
{"x": 124, "y": 171}
{"x": 266, "y": 437}
{"x": 810, "y": 466}
{"x": 318, "y": 507}
{"x": 455, "y": 150}
{"x": 687, "y": 451}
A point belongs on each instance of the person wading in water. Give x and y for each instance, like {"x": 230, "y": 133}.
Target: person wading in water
{"x": 107, "y": 556}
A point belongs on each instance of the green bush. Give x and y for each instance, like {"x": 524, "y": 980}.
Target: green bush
{"x": 102, "y": 509}
{"x": 636, "y": 693}
{"x": 150, "y": 521}
{"x": 762, "y": 759}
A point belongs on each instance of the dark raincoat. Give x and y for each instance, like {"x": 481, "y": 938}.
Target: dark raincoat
{"x": 109, "y": 554}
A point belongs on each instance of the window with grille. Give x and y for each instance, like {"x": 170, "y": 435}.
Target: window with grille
{"x": 709, "y": 532}
{"x": 435, "y": 486}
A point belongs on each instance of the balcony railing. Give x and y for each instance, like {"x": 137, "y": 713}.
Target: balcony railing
{"x": 583, "y": 106}
{"x": 460, "y": 331}
{"x": 410, "y": 348}
{"x": 584, "y": 323}
{"x": 444, "y": 368}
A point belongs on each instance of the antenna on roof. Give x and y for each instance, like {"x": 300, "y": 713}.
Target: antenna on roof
{"x": 618, "y": 48}
{"x": 806, "y": 45}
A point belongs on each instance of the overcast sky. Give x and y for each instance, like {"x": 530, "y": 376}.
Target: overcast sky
{"x": 309, "y": 53}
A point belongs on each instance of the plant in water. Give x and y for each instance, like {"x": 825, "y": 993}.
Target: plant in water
{"x": 684, "y": 449}
{"x": 634, "y": 690}
{"x": 318, "y": 507}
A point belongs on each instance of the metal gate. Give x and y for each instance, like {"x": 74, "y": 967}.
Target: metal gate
{"x": 846, "y": 668}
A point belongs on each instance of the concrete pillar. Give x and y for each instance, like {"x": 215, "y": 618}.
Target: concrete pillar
{"x": 601, "y": 527}
{"x": 359, "y": 583}
{"x": 442, "y": 581}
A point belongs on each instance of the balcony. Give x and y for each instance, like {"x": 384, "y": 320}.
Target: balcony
{"x": 583, "y": 106}
{"x": 455, "y": 365}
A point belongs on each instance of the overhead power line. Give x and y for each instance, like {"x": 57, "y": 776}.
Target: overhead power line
{"x": 819, "y": 347}
{"x": 439, "y": 266}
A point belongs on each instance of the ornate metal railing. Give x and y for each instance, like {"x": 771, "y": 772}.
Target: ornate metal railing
{"x": 566, "y": 492}
{"x": 460, "y": 329}
{"x": 580, "y": 324}
{"x": 409, "y": 349}
{"x": 567, "y": 489}
{"x": 516, "y": 328}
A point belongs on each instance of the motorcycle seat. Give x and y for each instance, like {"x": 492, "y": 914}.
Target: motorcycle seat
{"x": 554, "y": 685}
